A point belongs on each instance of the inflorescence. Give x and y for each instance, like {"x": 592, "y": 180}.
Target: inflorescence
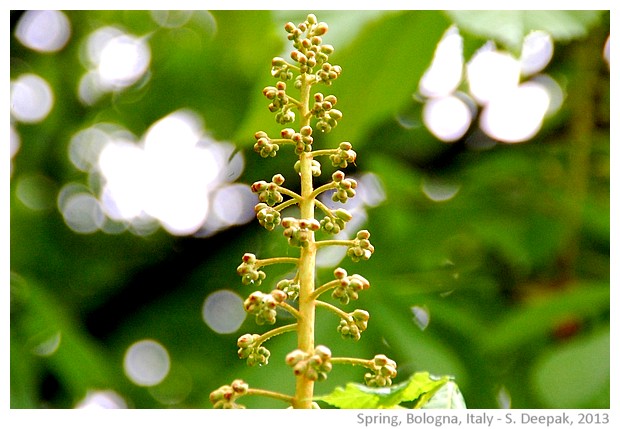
{"x": 310, "y": 66}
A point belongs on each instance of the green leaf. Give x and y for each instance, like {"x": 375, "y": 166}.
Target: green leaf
{"x": 448, "y": 397}
{"x": 381, "y": 70}
{"x": 575, "y": 374}
{"x": 530, "y": 322}
{"x": 509, "y": 27}
{"x": 419, "y": 390}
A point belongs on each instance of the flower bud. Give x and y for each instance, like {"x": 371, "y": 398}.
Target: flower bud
{"x": 311, "y": 19}
{"x": 340, "y": 273}
{"x": 327, "y": 49}
{"x": 321, "y": 29}
{"x": 279, "y": 295}
{"x": 278, "y": 179}
{"x": 343, "y": 214}
{"x": 338, "y": 176}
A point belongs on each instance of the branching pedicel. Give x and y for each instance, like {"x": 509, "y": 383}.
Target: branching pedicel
{"x": 300, "y": 296}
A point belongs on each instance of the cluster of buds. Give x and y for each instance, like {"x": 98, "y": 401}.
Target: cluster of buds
{"x": 303, "y": 139}
{"x": 384, "y": 370}
{"x": 343, "y": 156}
{"x": 225, "y": 396}
{"x": 289, "y": 287}
{"x": 298, "y": 231}
{"x": 253, "y": 352}
{"x": 361, "y": 248}
{"x": 323, "y": 110}
{"x": 315, "y": 167}
{"x": 279, "y": 102}
{"x": 280, "y": 69}
{"x": 263, "y": 305}
{"x": 345, "y": 188}
{"x": 349, "y": 286}
{"x": 268, "y": 192}
{"x": 314, "y": 367}
{"x": 354, "y": 325}
{"x": 264, "y": 146}
{"x": 310, "y": 51}
{"x": 248, "y": 271}
{"x": 329, "y": 73}
{"x": 267, "y": 216}
{"x": 336, "y": 223}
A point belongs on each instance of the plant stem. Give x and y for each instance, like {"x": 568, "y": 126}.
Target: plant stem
{"x": 285, "y": 204}
{"x": 334, "y": 309}
{"x": 289, "y": 193}
{"x": 335, "y": 243}
{"x": 277, "y": 331}
{"x": 292, "y": 310}
{"x": 324, "y": 209}
{"x": 324, "y": 288}
{"x": 325, "y": 187}
{"x": 270, "y": 394}
{"x": 351, "y": 361}
{"x": 278, "y": 260}
{"x": 581, "y": 135}
{"x": 323, "y": 152}
{"x": 304, "y": 390}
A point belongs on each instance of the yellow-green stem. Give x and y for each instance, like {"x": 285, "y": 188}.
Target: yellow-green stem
{"x": 270, "y": 394}
{"x": 304, "y": 389}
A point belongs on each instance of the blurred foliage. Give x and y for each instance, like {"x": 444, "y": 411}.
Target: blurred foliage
{"x": 513, "y": 271}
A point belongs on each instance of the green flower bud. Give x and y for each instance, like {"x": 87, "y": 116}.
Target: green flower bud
{"x": 290, "y": 288}
{"x": 327, "y": 49}
{"x": 343, "y": 214}
{"x": 311, "y": 19}
{"x": 278, "y": 62}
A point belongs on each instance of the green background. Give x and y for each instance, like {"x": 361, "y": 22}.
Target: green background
{"x": 514, "y": 271}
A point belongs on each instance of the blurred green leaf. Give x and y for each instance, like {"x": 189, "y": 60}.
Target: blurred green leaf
{"x": 382, "y": 68}
{"x": 575, "y": 374}
{"x": 509, "y": 27}
{"x": 535, "y": 320}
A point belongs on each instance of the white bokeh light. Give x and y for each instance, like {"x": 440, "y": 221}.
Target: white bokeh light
{"x": 421, "y": 316}
{"x": 491, "y": 73}
{"x": 446, "y": 71}
{"x": 536, "y": 52}
{"x": 518, "y": 115}
{"x": 43, "y": 30}
{"x": 512, "y": 95}
{"x": 223, "y": 311}
{"x": 82, "y": 213}
{"x": 32, "y": 98}
{"x": 448, "y": 118}
{"x": 146, "y": 363}
{"x": 102, "y": 399}
{"x": 439, "y": 190}
{"x": 171, "y": 18}
{"x": 115, "y": 61}
{"x": 121, "y": 163}
{"x": 234, "y": 205}
{"x": 14, "y": 143}
{"x": 123, "y": 60}
{"x": 173, "y": 175}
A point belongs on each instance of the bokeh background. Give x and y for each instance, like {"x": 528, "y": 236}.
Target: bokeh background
{"x": 484, "y": 170}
